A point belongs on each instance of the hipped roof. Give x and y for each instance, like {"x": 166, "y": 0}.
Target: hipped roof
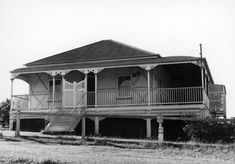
{"x": 105, "y": 53}
{"x": 102, "y": 50}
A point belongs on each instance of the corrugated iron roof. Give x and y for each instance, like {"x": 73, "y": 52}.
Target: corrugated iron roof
{"x": 105, "y": 53}
{"x": 102, "y": 50}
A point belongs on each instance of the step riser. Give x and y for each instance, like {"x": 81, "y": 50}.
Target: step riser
{"x": 62, "y": 124}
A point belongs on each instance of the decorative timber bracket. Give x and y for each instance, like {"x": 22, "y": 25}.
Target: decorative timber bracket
{"x": 58, "y": 72}
{"x": 84, "y": 71}
{"x": 14, "y": 75}
{"x": 148, "y": 67}
{"x": 88, "y": 70}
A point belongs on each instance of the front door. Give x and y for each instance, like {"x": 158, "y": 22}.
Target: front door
{"x": 91, "y": 90}
{"x": 74, "y": 94}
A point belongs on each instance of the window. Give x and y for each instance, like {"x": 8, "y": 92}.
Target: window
{"x": 124, "y": 85}
{"x": 58, "y": 89}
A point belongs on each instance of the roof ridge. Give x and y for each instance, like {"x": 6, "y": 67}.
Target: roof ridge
{"x": 140, "y": 49}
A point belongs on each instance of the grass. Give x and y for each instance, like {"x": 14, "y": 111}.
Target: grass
{"x": 27, "y": 161}
{"x": 72, "y": 149}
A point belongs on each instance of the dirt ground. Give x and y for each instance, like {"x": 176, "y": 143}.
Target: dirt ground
{"x": 37, "y": 148}
{"x": 13, "y": 151}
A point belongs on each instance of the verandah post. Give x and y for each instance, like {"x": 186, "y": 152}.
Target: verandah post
{"x": 85, "y": 99}
{"x": 202, "y": 74}
{"x": 148, "y": 76}
{"x": 11, "y": 107}
{"x": 62, "y": 93}
{"x": 95, "y": 89}
{"x": 53, "y": 91}
{"x": 96, "y": 104}
{"x": 85, "y": 81}
{"x": 74, "y": 95}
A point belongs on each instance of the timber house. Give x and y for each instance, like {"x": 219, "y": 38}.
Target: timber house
{"x": 109, "y": 86}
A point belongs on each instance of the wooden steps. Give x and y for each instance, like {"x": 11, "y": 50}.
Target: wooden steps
{"x": 64, "y": 123}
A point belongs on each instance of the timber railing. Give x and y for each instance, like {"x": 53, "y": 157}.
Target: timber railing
{"x": 113, "y": 98}
{"x": 171, "y": 96}
{"x": 20, "y": 101}
{"x": 35, "y": 101}
{"x": 118, "y": 98}
{"x": 159, "y": 96}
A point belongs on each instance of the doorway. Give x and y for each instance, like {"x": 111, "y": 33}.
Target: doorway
{"x": 91, "y": 90}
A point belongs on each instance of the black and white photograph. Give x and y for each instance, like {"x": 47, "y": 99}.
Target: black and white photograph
{"x": 117, "y": 81}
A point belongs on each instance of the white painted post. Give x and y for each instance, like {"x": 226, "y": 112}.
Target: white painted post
{"x": 148, "y": 127}
{"x": 96, "y": 118}
{"x": 202, "y": 77}
{"x": 96, "y": 126}
{"x": 17, "y": 131}
{"x": 62, "y": 93}
{"x": 74, "y": 95}
{"x": 202, "y": 74}
{"x": 148, "y": 76}
{"x": 30, "y": 94}
{"x": 96, "y": 90}
{"x": 160, "y": 129}
{"x": 53, "y": 92}
{"x": 85, "y": 79}
{"x": 11, "y": 107}
{"x": 83, "y": 127}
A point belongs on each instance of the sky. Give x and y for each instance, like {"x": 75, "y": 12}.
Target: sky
{"x": 34, "y": 29}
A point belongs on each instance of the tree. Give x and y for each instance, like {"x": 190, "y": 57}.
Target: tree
{"x": 4, "y": 112}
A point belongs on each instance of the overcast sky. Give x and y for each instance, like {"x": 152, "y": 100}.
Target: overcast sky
{"x": 33, "y": 29}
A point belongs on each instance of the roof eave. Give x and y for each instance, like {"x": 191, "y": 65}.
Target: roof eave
{"x": 209, "y": 72}
{"x": 97, "y": 64}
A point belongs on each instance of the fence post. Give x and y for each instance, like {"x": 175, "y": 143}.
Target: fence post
{"x": 17, "y": 131}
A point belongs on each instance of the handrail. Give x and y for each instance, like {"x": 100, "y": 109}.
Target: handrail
{"x": 20, "y": 101}
{"x": 184, "y": 95}
{"x": 137, "y": 96}
{"x": 159, "y": 96}
{"x": 181, "y": 87}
